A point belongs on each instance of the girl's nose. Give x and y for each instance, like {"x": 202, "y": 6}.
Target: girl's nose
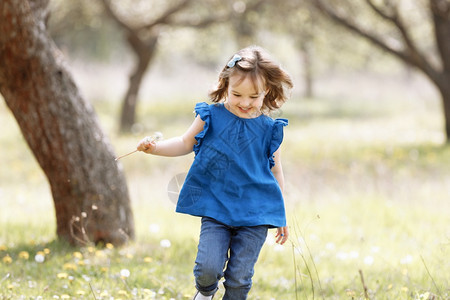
{"x": 246, "y": 102}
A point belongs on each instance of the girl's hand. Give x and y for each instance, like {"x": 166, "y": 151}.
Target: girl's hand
{"x": 282, "y": 235}
{"x": 147, "y": 145}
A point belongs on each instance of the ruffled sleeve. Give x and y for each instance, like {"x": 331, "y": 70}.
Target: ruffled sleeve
{"x": 204, "y": 111}
{"x": 277, "y": 138}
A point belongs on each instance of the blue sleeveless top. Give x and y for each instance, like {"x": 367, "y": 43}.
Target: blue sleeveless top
{"x": 230, "y": 179}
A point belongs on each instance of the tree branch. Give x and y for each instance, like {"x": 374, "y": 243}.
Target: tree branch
{"x": 116, "y": 18}
{"x": 343, "y": 21}
{"x": 164, "y": 18}
{"x": 409, "y": 54}
{"x": 215, "y": 18}
{"x": 256, "y": 5}
{"x": 416, "y": 56}
{"x": 381, "y": 13}
{"x": 202, "y": 23}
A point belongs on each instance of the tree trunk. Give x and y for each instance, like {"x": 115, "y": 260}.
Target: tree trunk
{"x": 89, "y": 190}
{"x": 144, "y": 51}
{"x": 244, "y": 33}
{"x": 444, "y": 89}
{"x": 440, "y": 14}
{"x": 305, "y": 49}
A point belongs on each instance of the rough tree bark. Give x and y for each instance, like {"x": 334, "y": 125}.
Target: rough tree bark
{"x": 89, "y": 190}
{"x": 405, "y": 48}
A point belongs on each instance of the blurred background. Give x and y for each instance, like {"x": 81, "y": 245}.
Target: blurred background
{"x": 365, "y": 154}
{"x": 187, "y": 38}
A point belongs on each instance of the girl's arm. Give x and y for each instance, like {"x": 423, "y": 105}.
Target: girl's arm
{"x": 176, "y": 146}
{"x": 277, "y": 170}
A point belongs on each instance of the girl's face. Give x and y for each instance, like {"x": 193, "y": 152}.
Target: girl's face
{"x": 245, "y": 98}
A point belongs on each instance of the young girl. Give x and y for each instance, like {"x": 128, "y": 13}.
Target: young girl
{"x": 236, "y": 181}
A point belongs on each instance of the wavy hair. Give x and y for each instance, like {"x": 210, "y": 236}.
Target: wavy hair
{"x": 264, "y": 72}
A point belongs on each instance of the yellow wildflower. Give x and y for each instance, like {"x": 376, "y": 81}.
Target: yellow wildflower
{"x": 10, "y": 286}
{"x": 46, "y": 251}
{"x": 3, "y": 248}
{"x": 62, "y": 275}
{"x": 100, "y": 253}
{"x": 91, "y": 249}
{"x": 81, "y": 293}
{"x": 65, "y": 296}
{"x": 109, "y": 246}
{"x": 405, "y": 289}
{"x": 7, "y": 259}
{"x": 69, "y": 266}
{"x": 122, "y": 293}
{"x": 148, "y": 259}
{"x": 78, "y": 255}
{"x": 81, "y": 263}
{"x": 24, "y": 255}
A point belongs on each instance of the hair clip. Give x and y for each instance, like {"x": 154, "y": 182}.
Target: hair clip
{"x": 234, "y": 60}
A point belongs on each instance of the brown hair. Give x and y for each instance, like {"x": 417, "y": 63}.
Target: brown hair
{"x": 257, "y": 63}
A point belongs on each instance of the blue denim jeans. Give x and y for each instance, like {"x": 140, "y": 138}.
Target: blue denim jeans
{"x": 230, "y": 252}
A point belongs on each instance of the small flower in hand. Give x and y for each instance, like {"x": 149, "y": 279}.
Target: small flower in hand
{"x": 148, "y": 144}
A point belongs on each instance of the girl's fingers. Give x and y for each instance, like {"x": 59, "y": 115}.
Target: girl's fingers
{"x": 282, "y": 235}
{"x": 148, "y": 148}
{"x": 145, "y": 144}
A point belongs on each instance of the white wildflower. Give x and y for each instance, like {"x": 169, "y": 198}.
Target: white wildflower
{"x": 125, "y": 273}
{"x": 368, "y": 260}
{"x": 165, "y": 243}
{"x": 39, "y": 258}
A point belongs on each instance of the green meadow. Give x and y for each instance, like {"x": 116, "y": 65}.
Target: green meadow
{"x": 367, "y": 196}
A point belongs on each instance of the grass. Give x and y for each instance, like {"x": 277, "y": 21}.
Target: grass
{"x": 367, "y": 190}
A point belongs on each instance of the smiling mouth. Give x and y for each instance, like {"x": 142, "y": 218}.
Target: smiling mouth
{"x": 244, "y": 110}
